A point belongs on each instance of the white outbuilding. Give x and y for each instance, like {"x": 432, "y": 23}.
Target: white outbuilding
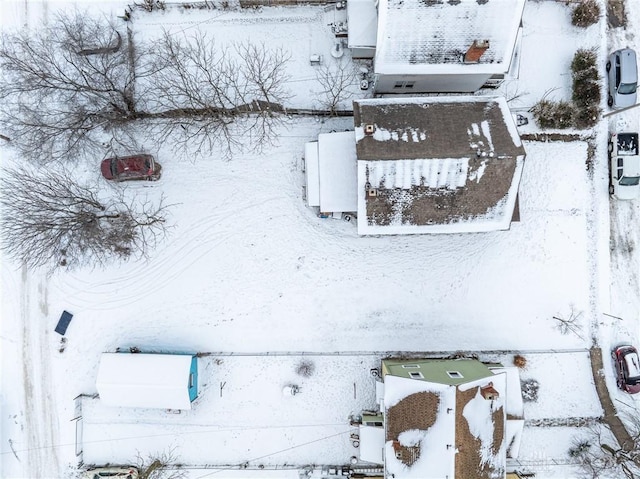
{"x": 167, "y": 381}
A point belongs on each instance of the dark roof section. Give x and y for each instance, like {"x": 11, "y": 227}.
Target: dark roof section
{"x": 446, "y": 126}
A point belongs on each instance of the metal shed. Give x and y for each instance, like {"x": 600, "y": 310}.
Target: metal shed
{"x": 167, "y": 381}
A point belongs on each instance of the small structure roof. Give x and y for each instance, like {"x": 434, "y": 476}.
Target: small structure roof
{"x": 337, "y": 171}
{"x": 438, "y": 164}
{"x": 432, "y": 36}
{"x": 371, "y": 444}
{"x": 144, "y": 380}
{"x": 363, "y": 23}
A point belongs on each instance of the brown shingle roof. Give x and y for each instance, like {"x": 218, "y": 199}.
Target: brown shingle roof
{"x": 447, "y": 127}
{"x": 419, "y": 411}
{"x": 434, "y": 161}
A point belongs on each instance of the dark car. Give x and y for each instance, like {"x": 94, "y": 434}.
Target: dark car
{"x": 627, "y": 368}
{"x": 135, "y": 167}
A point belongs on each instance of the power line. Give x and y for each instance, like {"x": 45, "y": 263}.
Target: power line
{"x": 124, "y": 438}
{"x": 272, "y": 454}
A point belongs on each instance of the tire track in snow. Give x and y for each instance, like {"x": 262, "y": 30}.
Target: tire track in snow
{"x": 150, "y": 277}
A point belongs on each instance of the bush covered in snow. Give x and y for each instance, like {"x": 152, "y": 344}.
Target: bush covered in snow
{"x": 552, "y": 114}
{"x": 586, "y": 13}
{"x": 587, "y": 117}
{"x": 305, "y": 369}
{"x": 586, "y": 88}
{"x": 529, "y": 390}
{"x": 584, "y": 65}
{"x": 585, "y": 110}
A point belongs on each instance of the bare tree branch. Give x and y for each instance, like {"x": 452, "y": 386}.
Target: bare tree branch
{"x": 209, "y": 97}
{"x": 57, "y": 97}
{"x": 337, "y": 81}
{"x": 599, "y": 455}
{"x": 76, "y": 84}
{"x": 160, "y": 466}
{"x": 49, "y": 219}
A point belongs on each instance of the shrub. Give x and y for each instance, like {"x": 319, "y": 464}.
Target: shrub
{"x": 586, "y": 93}
{"x": 520, "y": 361}
{"x": 305, "y": 369}
{"x": 551, "y": 114}
{"x": 587, "y": 116}
{"x": 584, "y": 65}
{"x": 579, "y": 448}
{"x": 530, "y": 389}
{"x": 586, "y": 89}
{"x": 586, "y": 13}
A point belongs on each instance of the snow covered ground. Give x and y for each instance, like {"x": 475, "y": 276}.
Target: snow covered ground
{"x": 249, "y": 269}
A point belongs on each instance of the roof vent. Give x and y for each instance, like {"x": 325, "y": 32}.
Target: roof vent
{"x": 369, "y": 129}
{"x": 372, "y": 192}
{"x": 475, "y": 51}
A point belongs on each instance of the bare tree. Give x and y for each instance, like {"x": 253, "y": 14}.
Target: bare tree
{"x": 337, "y": 81}
{"x": 75, "y": 84}
{"x": 50, "y": 219}
{"x": 599, "y": 455}
{"x": 569, "y": 324}
{"x": 160, "y": 466}
{"x": 217, "y": 96}
{"x": 63, "y": 84}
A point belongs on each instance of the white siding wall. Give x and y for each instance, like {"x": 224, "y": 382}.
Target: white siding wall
{"x": 430, "y": 83}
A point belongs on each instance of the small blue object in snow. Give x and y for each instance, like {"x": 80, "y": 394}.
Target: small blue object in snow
{"x": 63, "y": 323}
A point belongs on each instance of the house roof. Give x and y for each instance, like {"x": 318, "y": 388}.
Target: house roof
{"x": 144, "y": 380}
{"x": 435, "y": 430}
{"x": 437, "y": 164}
{"x": 442, "y": 31}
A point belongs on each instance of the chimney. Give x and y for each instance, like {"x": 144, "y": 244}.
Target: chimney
{"x": 475, "y": 51}
{"x": 489, "y": 393}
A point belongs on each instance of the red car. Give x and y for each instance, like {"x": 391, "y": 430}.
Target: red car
{"x": 627, "y": 368}
{"x": 136, "y": 167}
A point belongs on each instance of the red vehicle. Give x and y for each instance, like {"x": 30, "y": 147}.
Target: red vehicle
{"x": 627, "y": 368}
{"x": 136, "y": 167}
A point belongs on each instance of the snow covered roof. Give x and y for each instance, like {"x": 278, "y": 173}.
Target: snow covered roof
{"x": 337, "y": 172}
{"x": 436, "y": 430}
{"x": 363, "y": 23}
{"x": 432, "y": 36}
{"x": 371, "y": 444}
{"x": 633, "y": 364}
{"x": 144, "y": 380}
{"x": 436, "y": 164}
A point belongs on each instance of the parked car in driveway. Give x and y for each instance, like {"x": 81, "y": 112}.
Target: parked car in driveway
{"x": 624, "y": 166}
{"x": 622, "y": 70}
{"x": 116, "y": 472}
{"x": 135, "y": 167}
{"x": 627, "y": 364}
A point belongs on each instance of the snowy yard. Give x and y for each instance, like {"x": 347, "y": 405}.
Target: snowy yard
{"x": 252, "y": 278}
